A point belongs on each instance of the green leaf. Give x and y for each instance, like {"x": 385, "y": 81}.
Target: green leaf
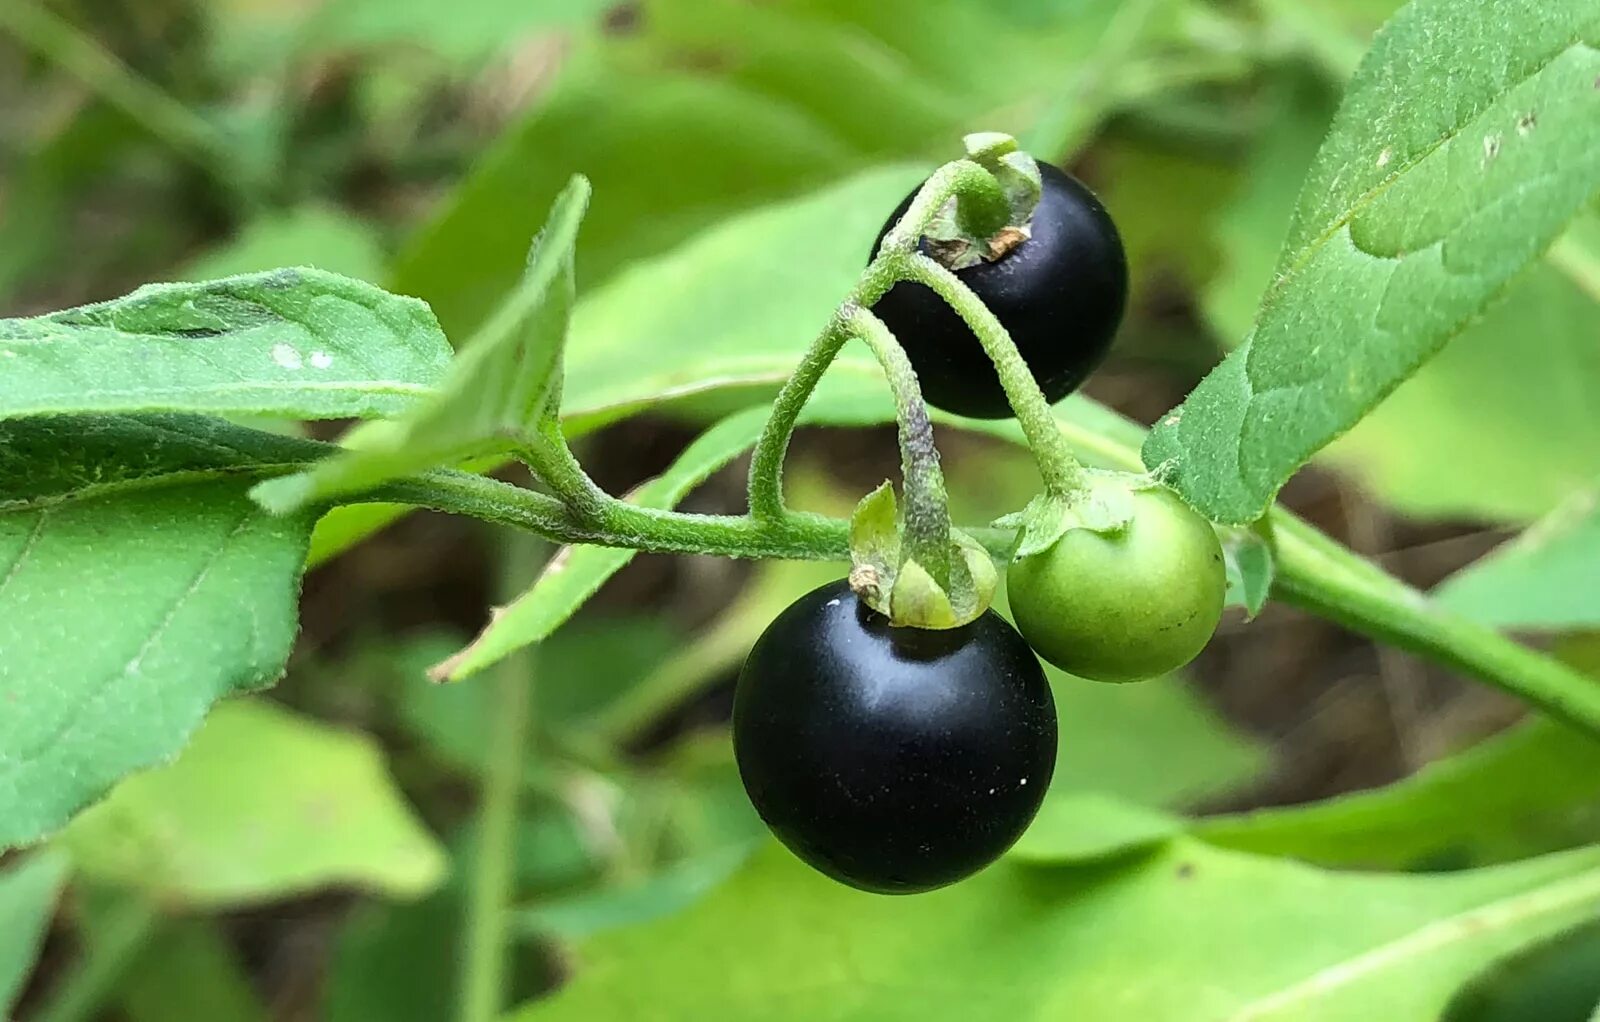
{"x": 1533, "y": 789}
{"x": 1187, "y": 934}
{"x": 297, "y": 343}
{"x": 1249, "y": 560}
{"x": 1414, "y": 217}
{"x": 321, "y": 236}
{"x": 576, "y": 573}
{"x": 1557, "y": 980}
{"x": 497, "y": 392}
{"x": 187, "y": 969}
{"x": 1513, "y": 387}
{"x": 464, "y": 34}
{"x": 710, "y": 310}
{"x": 27, "y": 902}
{"x": 1201, "y": 758}
{"x": 670, "y": 890}
{"x": 1092, "y": 827}
{"x": 108, "y": 671}
{"x": 1542, "y": 580}
{"x": 263, "y": 804}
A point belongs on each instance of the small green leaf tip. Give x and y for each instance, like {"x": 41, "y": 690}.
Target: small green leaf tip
{"x": 284, "y": 495}
{"x": 899, "y": 588}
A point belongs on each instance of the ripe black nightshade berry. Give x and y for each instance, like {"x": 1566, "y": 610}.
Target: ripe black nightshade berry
{"x": 1060, "y": 293}
{"x": 895, "y": 760}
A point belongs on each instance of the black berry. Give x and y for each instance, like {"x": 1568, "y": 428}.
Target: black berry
{"x": 895, "y": 760}
{"x": 1060, "y": 293}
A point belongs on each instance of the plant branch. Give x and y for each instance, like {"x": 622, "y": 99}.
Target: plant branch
{"x": 982, "y": 208}
{"x": 1318, "y": 575}
{"x": 793, "y": 536}
{"x": 1062, "y": 474}
{"x": 927, "y": 507}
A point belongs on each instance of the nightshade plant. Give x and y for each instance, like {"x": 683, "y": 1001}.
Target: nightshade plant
{"x": 152, "y": 541}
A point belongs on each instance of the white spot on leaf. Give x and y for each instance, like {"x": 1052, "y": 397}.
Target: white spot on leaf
{"x": 1491, "y": 147}
{"x": 286, "y": 356}
{"x": 1385, "y": 156}
{"x": 321, "y": 360}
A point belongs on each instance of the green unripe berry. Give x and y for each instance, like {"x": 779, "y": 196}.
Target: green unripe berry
{"x": 1121, "y": 606}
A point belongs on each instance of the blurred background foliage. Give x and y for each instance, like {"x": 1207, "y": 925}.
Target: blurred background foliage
{"x": 306, "y": 857}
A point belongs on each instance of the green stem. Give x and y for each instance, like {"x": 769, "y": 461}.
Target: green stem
{"x": 796, "y": 536}
{"x": 1063, "y": 476}
{"x": 982, "y": 208}
{"x": 483, "y": 986}
{"x": 766, "y": 462}
{"x": 56, "y": 39}
{"x": 83, "y": 992}
{"x": 548, "y": 455}
{"x": 927, "y": 507}
{"x": 1317, "y": 575}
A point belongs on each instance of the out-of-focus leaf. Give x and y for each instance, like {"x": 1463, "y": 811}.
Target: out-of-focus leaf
{"x": 1089, "y": 828}
{"x": 187, "y": 970}
{"x": 670, "y": 890}
{"x": 711, "y": 312}
{"x": 1547, "y": 579}
{"x": 1534, "y": 789}
{"x": 668, "y": 154}
{"x": 1557, "y": 980}
{"x": 578, "y": 667}
{"x": 462, "y": 32}
{"x": 576, "y": 573}
{"x": 27, "y": 901}
{"x": 396, "y": 962}
{"x": 298, "y": 343}
{"x": 321, "y": 236}
{"x": 1413, "y": 218}
{"x": 262, "y": 804}
{"x": 495, "y": 394}
{"x": 1201, "y": 757}
{"x": 1188, "y": 933}
{"x": 107, "y": 670}
{"x": 706, "y": 108}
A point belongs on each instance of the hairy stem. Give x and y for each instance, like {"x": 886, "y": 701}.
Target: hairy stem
{"x": 927, "y": 508}
{"x": 792, "y": 536}
{"x": 1062, "y": 474}
{"x": 1317, "y": 575}
{"x": 983, "y": 209}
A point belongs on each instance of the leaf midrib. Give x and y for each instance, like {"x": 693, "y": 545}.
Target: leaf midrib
{"x": 1306, "y": 252}
{"x": 1435, "y": 936}
{"x": 164, "y": 480}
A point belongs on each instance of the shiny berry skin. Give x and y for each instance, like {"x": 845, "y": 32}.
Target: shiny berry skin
{"x": 895, "y": 760}
{"x": 1126, "y": 606}
{"x": 1060, "y": 293}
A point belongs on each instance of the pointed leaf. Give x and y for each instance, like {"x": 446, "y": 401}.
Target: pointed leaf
{"x": 138, "y": 584}
{"x": 496, "y": 392}
{"x": 1187, "y": 934}
{"x": 262, "y": 804}
{"x": 1545, "y": 579}
{"x": 576, "y": 573}
{"x": 297, "y": 343}
{"x": 27, "y": 901}
{"x": 1414, "y": 217}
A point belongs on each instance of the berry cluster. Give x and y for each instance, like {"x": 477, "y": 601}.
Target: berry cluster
{"x": 900, "y": 759}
